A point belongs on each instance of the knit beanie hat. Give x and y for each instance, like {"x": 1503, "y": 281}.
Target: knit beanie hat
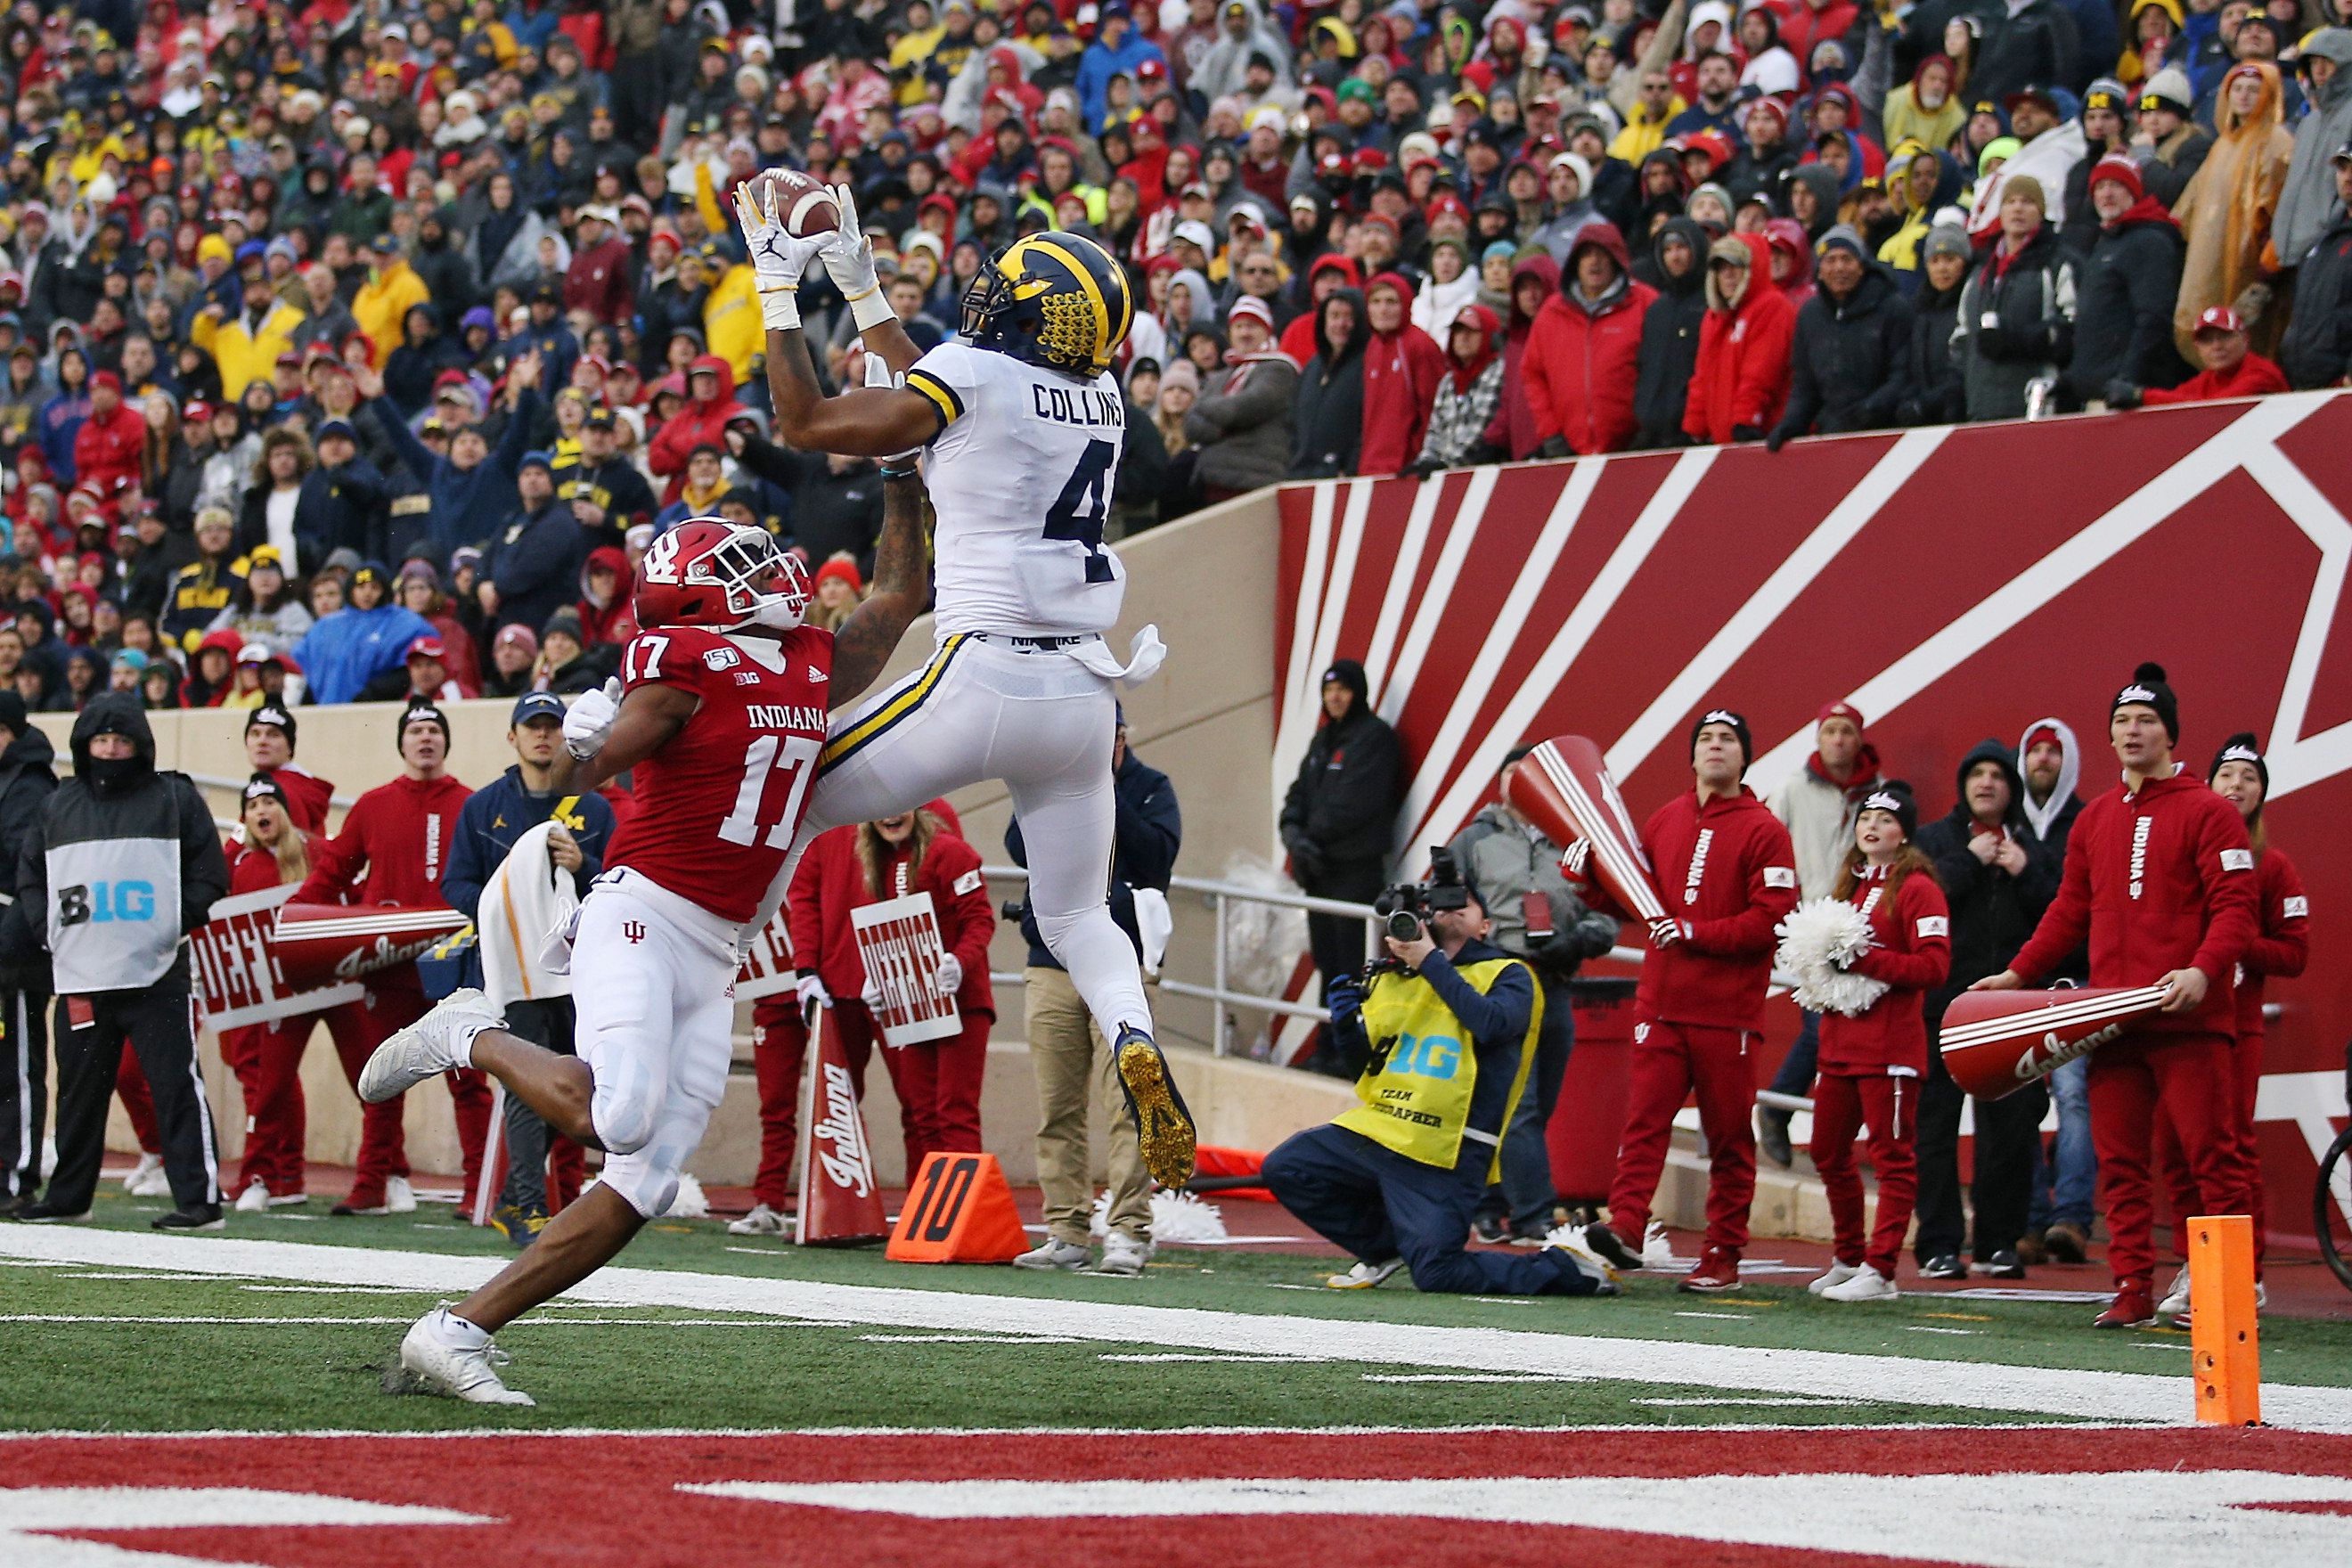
{"x": 272, "y": 713}
{"x": 2029, "y": 188}
{"x": 1895, "y": 796}
{"x": 1842, "y": 236}
{"x": 1944, "y": 239}
{"x": 2244, "y": 746}
{"x": 1738, "y": 727}
{"x": 2147, "y": 689}
{"x": 422, "y": 713}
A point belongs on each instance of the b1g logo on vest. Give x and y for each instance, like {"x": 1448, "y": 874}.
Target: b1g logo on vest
{"x": 1425, "y": 1055}
{"x": 102, "y": 903}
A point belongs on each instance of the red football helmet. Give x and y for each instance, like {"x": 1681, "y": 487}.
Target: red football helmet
{"x": 708, "y": 571}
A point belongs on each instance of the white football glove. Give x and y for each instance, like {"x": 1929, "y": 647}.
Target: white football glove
{"x": 813, "y": 995}
{"x": 872, "y": 994}
{"x": 588, "y": 722}
{"x": 849, "y": 261}
{"x": 1576, "y": 859}
{"x": 779, "y": 259}
{"x": 950, "y": 974}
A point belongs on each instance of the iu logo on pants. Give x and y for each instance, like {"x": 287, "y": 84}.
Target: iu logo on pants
{"x": 635, "y": 931}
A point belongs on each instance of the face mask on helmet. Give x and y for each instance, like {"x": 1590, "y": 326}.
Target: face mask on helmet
{"x": 770, "y": 587}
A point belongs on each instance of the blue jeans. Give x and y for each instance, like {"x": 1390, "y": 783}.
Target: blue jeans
{"x": 2063, "y": 1189}
{"x": 1529, "y": 1190}
{"x": 1797, "y": 1069}
{"x": 1377, "y": 1204}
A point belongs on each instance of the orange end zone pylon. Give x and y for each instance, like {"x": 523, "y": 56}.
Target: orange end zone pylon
{"x": 2225, "y": 1349}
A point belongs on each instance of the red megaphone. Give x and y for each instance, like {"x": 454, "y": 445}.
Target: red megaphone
{"x": 1564, "y": 788}
{"x": 321, "y": 944}
{"x": 1996, "y": 1042}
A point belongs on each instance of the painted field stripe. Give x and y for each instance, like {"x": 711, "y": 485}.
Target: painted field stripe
{"x": 2083, "y": 1394}
{"x": 440, "y": 1434}
{"x": 1469, "y": 1377}
{"x": 1794, "y": 1400}
{"x": 1209, "y": 1357}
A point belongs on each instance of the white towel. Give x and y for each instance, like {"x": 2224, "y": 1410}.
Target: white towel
{"x": 525, "y": 898}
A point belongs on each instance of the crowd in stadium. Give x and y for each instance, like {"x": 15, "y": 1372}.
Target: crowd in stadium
{"x": 354, "y": 350}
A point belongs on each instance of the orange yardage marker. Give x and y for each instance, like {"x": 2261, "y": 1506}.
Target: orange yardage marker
{"x": 2225, "y": 1348}
{"x": 958, "y": 1210}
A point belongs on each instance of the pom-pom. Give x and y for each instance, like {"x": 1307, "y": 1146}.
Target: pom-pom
{"x": 2149, "y": 673}
{"x": 1818, "y": 940}
{"x": 1175, "y": 1217}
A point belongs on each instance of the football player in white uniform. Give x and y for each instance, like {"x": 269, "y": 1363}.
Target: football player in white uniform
{"x": 1019, "y": 424}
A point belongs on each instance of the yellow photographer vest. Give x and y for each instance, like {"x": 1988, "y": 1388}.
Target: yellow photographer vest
{"x": 1418, "y": 1102}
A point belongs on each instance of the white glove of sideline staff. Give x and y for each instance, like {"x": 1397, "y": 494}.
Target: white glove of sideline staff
{"x": 588, "y": 722}
{"x": 950, "y": 974}
{"x": 813, "y": 995}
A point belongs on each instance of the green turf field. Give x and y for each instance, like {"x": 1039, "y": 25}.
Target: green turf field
{"x": 88, "y": 1345}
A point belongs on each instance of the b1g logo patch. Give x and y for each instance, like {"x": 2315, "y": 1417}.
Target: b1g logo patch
{"x": 720, "y": 658}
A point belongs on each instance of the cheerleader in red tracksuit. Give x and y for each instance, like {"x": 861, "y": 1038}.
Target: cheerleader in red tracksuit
{"x": 2281, "y": 945}
{"x": 1874, "y": 1064}
{"x": 938, "y": 1082}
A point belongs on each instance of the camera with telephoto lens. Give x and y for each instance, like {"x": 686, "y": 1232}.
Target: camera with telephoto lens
{"x": 1406, "y": 908}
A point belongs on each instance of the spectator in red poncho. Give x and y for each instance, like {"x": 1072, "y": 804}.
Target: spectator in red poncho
{"x": 2232, "y": 368}
{"x": 1583, "y": 353}
{"x": 111, "y": 443}
{"x": 1741, "y": 387}
{"x": 710, "y": 403}
{"x": 1402, "y": 366}
{"x": 1326, "y": 274}
{"x": 607, "y": 613}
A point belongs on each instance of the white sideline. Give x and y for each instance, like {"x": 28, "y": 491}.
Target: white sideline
{"x": 2080, "y": 1395}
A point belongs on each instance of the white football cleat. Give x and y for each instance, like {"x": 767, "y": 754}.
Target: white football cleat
{"x": 399, "y": 1197}
{"x": 440, "y": 1357}
{"x": 761, "y": 1221}
{"x": 1657, "y": 1247}
{"x": 1838, "y": 1275}
{"x": 1122, "y": 1255}
{"x": 1867, "y": 1285}
{"x": 147, "y": 1179}
{"x": 2176, "y": 1295}
{"x": 1570, "y": 1243}
{"x": 428, "y": 1048}
{"x": 255, "y": 1199}
{"x": 1054, "y": 1253}
{"x": 1364, "y": 1276}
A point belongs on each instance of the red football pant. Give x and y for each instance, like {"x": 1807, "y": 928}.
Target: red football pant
{"x": 2192, "y": 1079}
{"x": 1841, "y": 1104}
{"x": 2172, "y": 1170}
{"x": 779, "y": 1050}
{"x": 383, "y": 1145}
{"x": 937, "y": 1082}
{"x": 1670, "y": 1062}
{"x": 267, "y": 1061}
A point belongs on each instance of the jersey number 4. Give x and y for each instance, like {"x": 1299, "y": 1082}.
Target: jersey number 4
{"x": 1077, "y": 513}
{"x": 793, "y": 755}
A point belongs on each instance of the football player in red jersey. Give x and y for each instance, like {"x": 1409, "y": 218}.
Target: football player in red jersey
{"x": 719, "y": 710}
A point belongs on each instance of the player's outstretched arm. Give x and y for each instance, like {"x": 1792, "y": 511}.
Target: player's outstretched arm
{"x": 649, "y": 717}
{"x": 863, "y": 422}
{"x": 864, "y": 642}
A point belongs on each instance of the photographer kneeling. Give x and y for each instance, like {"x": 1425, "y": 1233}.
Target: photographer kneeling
{"x": 1396, "y": 1179}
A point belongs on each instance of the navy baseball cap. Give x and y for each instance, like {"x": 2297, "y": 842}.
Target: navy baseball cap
{"x": 536, "y": 705}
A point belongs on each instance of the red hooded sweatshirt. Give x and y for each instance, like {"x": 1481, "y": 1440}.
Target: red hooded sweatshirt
{"x": 1401, "y": 370}
{"x": 393, "y": 847}
{"x": 1297, "y": 340}
{"x": 696, "y": 425}
{"x": 2158, "y": 880}
{"x": 308, "y": 797}
{"x": 2254, "y": 378}
{"x": 1725, "y": 869}
{"x": 1583, "y": 360}
{"x": 831, "y": 883}
{"x": 1911, "y": 950}
{"x": 1513, "y": 428}
{"x": 615, "y": 621}
{"x": 1741, "y": 379}
{"x": 2283, "y": 945}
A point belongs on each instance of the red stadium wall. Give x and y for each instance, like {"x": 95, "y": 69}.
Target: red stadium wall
{"x": 1952, "y": 584}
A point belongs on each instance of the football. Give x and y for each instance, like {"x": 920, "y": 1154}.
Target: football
{"x": 803, "y": 203}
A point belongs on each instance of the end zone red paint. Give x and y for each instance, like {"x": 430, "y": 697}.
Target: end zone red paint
{"x": 611, "y": 1502}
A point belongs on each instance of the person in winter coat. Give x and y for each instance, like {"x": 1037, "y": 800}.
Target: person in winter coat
{"x": 1740, "y": 384}
{"x": 1240, "y": 424}
{"x": 711, "y": 403}
{"x": 107, "y": 448}
{"x": 472, "y": 489}
{"x": 2307, "y": 200}
{"x": 1402, "y": 366}
{"x": 28, "y": 776}
{"x": 1337, "y": 817}
{"x": 264, "y": 611}
{"x": 2168, "y": 145}
{"x": 938, "y": 1082}
{"x": 2226, "y": 211}
{"x": 2016, "y": 322}
{"x": 1466, "y": 398}
{"x": 1582, "y": 363}
{"x": 1328, "y": 421}
{"x": 1872, "y": 1062}
{"x": 2160, "y": 879}
{"x": 1999, "y": 876}
{"x": 1934, "y": 393}
{"x": 2035, "y": 42}
{"x": 532, "y": 569}
{"x": 2316, "y": 350}
{"x": 2281, "y": 946}
{"x": 2232, "y": 370}
{"x": 1670, "y": 333}
{"x": 1853, "y": 337}
{"x": 2123, "y": 314}
{"x": 344, "y": 502}
{"x": 1535, "y": 281}
{"x": 363, "y": 645}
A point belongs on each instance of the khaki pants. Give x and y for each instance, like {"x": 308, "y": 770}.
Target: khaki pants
{"x": 1073, "y": 1067}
